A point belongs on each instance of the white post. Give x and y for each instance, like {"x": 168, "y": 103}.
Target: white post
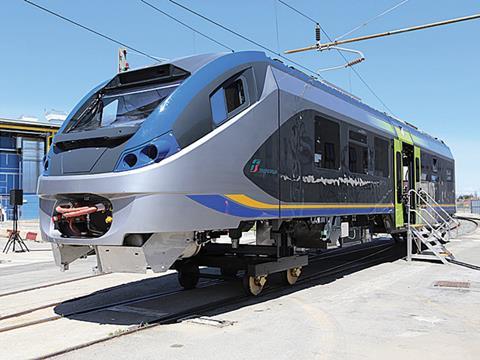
{"x": 409, "y": 231}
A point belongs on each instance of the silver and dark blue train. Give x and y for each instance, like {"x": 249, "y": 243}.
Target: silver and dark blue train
{"x": 152, "y": 167}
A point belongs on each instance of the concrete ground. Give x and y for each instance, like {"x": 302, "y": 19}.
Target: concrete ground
{"x": 391, "y": 310}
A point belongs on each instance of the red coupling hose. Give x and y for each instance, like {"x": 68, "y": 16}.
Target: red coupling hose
{"x": 72, "y": 212}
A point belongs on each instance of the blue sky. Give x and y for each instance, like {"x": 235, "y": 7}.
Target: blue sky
{"x": 430, "y": 78}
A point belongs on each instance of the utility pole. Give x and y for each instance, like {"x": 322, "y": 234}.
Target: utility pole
{"x": 122, "y": 60}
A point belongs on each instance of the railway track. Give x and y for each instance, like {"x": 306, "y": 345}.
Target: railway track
{"x": 316, "y": 258}
{"x": 466, "y": 230}
{"x": 49, "y": 285}
{"x": 80, "y": 312}
{"x": 313, "y": 258}
{"x": 380, "y": 254}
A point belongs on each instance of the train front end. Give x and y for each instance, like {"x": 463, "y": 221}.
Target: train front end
{"x": 119, "y": 176}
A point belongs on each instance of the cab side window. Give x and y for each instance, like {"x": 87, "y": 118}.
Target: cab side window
{"x": 229, "y": 99}
{"x": 218, "y": 106}
{"x": 235, "y": 95}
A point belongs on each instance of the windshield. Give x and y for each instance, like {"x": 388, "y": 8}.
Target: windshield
{"x": 120, "y": 108}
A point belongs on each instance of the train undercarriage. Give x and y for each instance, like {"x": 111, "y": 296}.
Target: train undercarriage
{"x": 256, "y": 249}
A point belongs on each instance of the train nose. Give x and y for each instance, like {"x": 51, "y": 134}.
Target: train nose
{"x": 80, "y": 160}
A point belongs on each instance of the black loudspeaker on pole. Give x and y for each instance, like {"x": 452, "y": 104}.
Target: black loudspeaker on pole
{"x": 16, "y": 200}
{"x": 16, "y": 197}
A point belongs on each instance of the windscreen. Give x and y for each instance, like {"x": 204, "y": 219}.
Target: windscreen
{"x": 120, "y": 108}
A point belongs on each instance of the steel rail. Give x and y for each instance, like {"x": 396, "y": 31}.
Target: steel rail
{"x": 313, "y": 259}
{"x": 49, "y": 285}
{"x": 84, "y": 311}
{"x": 172, "y": 318}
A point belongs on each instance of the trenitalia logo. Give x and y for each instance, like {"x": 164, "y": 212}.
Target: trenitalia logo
{"x": 256, "y": 169}
{"x": 255, "y": 166}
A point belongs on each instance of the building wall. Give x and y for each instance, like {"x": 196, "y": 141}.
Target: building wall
{"x": 32, "y": 156}
{"x": 10, "y": 169}
{"x": 20, "y": 167}
{"x": 22, "y": 148}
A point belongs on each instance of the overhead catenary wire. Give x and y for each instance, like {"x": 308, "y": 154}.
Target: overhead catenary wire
{"x": 341, "y": 54}
{"x": 276, "y": 24}
{"x": 238, "y": 35}
{"x": 298, "y": 11}
{"x": 93, "y": 31}
{"x": 186, "y": 25}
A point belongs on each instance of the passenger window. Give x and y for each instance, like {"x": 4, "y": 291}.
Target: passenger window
{"x": 381, "y": 157}
{"x": 449, "y": 176}
{"x": 357, "y": 136}
{"x": 434, "y": 164}
{"x": 219, "y": 108}
{"x": 358, "y": 153}
{"x": 235, "y": 95}
{"x": 327, "y": 144}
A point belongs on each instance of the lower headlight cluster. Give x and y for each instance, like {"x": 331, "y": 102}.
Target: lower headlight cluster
{"x": 152, "y": 152}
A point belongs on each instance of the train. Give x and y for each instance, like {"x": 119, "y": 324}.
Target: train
{"x": 157, "y": 166}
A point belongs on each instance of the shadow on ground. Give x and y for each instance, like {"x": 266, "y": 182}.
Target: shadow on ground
{"x": 161, "y": 297}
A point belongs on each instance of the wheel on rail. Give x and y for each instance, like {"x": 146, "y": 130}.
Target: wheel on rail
{"x": 399, "y": 237}
{"x": 228, "y": 272}
{"x": 188, "y": 276}
{"x": 253, "y": 285}
{"x": 291, "y": 276}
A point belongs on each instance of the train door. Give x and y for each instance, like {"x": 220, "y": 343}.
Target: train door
{"x": 407, "y": 177}
{"x": 417, "y": 178}
{"x": 408, "y": 181}
{"x": 398, "y": 171}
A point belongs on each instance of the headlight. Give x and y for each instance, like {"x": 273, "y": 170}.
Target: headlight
{"x": 152, "y": 152}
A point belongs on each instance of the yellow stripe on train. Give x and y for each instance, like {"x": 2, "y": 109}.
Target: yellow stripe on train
{"x": 248, "y": 201}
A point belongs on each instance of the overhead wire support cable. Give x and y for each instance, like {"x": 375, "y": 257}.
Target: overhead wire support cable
{"x": 238, "y": 35}
{"x": 362, "y": 79}
{"x": 320, "y": 28}
{"x": 372, "y": 19}
{"x": 187, "y": 26}
{"x": 51, "y": 12}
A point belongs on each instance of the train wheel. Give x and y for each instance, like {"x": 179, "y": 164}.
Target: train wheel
{"x": 188, "y": 276}
{"x": 399, "y": 237}
{"x": 291, "y": 276}
{"x": 253, "y": 285}
{"x": 228, "y": 272}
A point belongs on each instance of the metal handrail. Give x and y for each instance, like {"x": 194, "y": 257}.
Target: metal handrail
{"x": 433, "y": 230}
{"x": 441, "y": 208}
{"x": 439, "y": 228}
{"x": 445, "y": 222}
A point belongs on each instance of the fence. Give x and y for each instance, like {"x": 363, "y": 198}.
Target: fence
{"x": 475, "y": 207}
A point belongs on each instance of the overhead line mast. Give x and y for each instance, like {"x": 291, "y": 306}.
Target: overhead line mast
{"x": 319, "y": 46}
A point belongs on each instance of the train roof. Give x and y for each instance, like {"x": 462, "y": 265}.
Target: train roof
{"x": 194, "y": 63}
